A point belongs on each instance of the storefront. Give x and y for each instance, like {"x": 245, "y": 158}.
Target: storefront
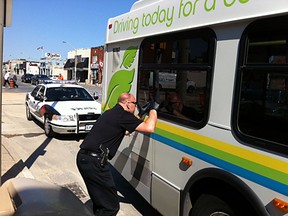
{"x": 81, "y": 68}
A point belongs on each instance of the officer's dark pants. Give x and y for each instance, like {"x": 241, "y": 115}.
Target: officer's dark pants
{"x": 100, "y": 185}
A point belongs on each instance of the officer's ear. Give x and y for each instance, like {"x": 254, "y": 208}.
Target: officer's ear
{"x": 127, "y": 105}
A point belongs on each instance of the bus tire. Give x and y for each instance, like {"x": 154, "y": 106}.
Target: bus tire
{"x": 208, "y": 204}
{"x": 187, "y": 207}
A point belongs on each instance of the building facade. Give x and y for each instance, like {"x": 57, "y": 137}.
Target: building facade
{"x": 96, "y": 62}
{"x": 88, "y": 67}
{"x": 77, "y": 65}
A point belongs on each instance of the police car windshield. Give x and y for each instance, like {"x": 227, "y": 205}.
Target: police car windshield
{"x": 67, "y": 94}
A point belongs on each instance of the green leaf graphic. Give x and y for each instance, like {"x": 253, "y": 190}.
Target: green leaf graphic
{"x": 119, "y": 83}
{"x": 129, "y": 56}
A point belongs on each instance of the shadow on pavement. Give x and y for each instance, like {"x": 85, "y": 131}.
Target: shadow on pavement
{"x": 20, "y": 165}
{"x": 129, "y": 195}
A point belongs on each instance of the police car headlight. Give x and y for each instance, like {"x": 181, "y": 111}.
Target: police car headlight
{"x": 64, "y": 118}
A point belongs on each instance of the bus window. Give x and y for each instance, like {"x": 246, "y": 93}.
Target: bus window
{"x": 176, "y": 71}
{"x": 263, "y": 96}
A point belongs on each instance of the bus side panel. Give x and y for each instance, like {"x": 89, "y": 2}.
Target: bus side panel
{"x": 224, "y": 74}
{"x": 134, "y": 157}
{"x": 163, "y": 193}
{"x": 134, "y": 161}
{"x": 174, "y": 174}
{"x": 121, "y": 69}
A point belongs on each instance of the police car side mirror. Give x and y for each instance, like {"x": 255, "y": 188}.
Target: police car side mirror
{"x": 38, "y": 97}
{"x": 95, "y": 96}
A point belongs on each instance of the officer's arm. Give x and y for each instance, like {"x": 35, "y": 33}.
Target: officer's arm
{"x": 149, "y": 124}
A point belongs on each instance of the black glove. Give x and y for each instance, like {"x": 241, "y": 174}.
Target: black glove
{"x": 144, "y": 110}
{"x": 153, "y": 105}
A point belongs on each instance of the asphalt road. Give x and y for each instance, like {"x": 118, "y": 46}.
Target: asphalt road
{"x": 53, "y": 160}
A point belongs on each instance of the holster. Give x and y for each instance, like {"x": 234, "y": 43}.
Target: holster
{"x": 103, "y": 155}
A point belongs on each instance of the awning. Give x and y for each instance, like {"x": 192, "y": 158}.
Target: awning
{"x": 70, "y": 64}
{"x": 83, "y": 64}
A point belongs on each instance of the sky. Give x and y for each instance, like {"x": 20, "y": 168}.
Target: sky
{"x": 47, "y": 23}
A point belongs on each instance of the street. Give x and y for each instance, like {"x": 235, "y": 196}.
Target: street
{"x": 53, "y": 160}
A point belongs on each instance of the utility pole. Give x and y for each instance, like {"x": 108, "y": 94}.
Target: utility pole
{"x": 5, "y": 20}
{"x": 75, "y": 60}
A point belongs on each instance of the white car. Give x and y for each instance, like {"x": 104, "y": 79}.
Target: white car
{"x": 54, "y": 77}
{"x": 168, "y": 81}
{"x": 62, "y": 108}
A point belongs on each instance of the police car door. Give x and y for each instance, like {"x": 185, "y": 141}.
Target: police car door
{"x": 36, "y": 100}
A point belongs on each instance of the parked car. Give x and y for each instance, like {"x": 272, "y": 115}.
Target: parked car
{"x": 168, "y": 81}
{"x": 62, "y": 108}
{"x": 54, "y": 77}
{"x": 26, "y": 78}
{"x": 39, "y": 78}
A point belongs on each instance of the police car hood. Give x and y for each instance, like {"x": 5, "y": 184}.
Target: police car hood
{"x": 72, "y": 107}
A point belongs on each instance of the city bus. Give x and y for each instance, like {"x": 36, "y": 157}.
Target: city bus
{"x": 226, "y": 153}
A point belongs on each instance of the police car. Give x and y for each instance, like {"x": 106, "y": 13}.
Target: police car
{"x": 62, "y": 108}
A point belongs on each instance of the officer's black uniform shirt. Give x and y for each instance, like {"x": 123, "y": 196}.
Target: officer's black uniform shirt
{"x": 109, "y": 130}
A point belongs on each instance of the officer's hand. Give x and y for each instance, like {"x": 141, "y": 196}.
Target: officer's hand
{"x": 144, "y": 110}
{"x": 152, "y": 105}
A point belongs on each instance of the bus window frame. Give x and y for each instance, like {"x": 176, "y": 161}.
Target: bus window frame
{"x": 208, "y": 67}
{"x": 262, "y": 25}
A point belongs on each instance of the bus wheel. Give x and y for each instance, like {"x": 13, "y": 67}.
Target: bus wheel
{"x": 187, "y": 205}
{"x": 209, "y": 205}
{"x": 47, "y": 128}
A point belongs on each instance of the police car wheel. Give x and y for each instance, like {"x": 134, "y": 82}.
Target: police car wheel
{"x": 28, "y": 114}
{"x": 47, "y": 128}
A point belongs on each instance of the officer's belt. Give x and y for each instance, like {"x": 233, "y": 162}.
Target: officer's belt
{"x": 93, "y": 154}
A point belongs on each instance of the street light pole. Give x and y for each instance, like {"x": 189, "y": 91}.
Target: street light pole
{"x": 75, "y": 56}
{"x": 5, "y": 20}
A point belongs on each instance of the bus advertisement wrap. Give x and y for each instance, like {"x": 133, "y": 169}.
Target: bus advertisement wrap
{"x": 184, "y": 14}
{"x": 219, "y": 71}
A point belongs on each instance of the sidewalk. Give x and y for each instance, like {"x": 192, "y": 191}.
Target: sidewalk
{"x": 9, "y": 167}
{"x": 15, "y": 168}
{"x": 11, "y": 163}
{"x": 27, "y": 189}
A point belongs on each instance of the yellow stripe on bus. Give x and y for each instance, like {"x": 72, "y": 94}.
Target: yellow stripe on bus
{"x": 228, "y": 148}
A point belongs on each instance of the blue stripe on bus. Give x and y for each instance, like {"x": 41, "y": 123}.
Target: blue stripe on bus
{"x": 266, "y": 182}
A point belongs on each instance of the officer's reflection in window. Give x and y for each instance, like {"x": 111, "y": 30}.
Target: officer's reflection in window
{"x": 174, "y": 105}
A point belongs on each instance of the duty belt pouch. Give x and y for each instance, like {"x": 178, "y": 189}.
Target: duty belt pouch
{"x": 103, "y": 155}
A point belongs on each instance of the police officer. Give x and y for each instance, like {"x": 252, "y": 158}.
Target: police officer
{"x": 102, "y": 143}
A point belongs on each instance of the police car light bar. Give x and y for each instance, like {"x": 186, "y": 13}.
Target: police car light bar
{"x": 60, "y": 82}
